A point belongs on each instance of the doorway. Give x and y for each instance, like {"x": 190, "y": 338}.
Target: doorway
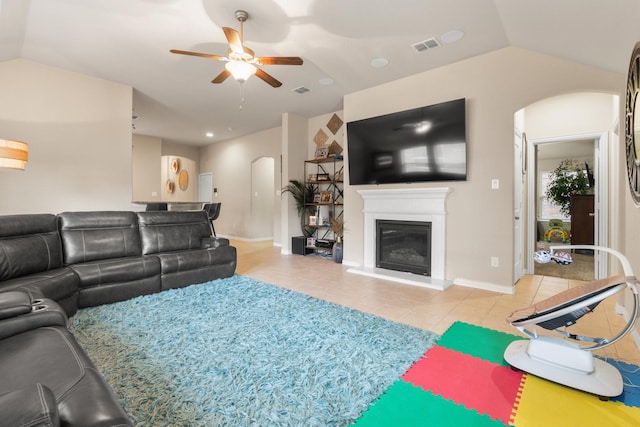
{"x": 573, "y": 222}
{"x": 581, "y": 116}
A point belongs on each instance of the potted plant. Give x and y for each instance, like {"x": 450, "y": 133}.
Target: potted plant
{"x": 567, "y": 179}
{"x": 303, "y": 196}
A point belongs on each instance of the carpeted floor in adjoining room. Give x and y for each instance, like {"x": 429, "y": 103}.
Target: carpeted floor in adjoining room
{"x": 240, "y": 352}
{"x": 580, "y": 269}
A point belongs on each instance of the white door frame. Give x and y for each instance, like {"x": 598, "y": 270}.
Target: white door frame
{"x": 518, "y": 208}
{"x": 601, "y": 202}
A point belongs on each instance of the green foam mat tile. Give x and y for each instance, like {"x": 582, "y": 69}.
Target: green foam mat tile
{"x": 406, "y": 405}
{"x": 486, "y": 344}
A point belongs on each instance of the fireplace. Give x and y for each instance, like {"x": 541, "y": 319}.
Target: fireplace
{"x": 426, "y": 205}
{"x": 404, "y": 246}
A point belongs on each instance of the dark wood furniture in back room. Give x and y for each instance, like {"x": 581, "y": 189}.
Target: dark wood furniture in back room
{"x": 582, "y": 219}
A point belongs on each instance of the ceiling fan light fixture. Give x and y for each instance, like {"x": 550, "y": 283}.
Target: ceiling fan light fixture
{"x": 240, "y": 70}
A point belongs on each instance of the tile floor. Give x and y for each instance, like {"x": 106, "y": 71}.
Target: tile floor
{"x": 420, "y": 307}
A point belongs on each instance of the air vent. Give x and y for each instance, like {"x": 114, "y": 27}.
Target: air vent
{"x": 301, "y": 90}
{"x": 425, "y": 45}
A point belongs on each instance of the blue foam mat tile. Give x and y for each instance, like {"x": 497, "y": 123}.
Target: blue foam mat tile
{"x": 631, "y": 378}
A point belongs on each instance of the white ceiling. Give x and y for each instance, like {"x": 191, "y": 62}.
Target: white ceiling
{"x": 128, "y": 41}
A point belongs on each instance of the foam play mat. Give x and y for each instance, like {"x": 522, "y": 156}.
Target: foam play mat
{"x": 463, "y": 380}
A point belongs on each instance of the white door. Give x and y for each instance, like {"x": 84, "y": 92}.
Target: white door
{"x": 205, "y": 187}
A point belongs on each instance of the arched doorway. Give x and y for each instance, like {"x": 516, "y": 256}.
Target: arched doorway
{"x": 588, "y": 119}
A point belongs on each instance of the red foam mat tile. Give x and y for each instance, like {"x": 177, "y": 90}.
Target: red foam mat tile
{"x": 469, "y": 381}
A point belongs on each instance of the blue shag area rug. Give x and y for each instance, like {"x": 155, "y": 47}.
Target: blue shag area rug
{"x": 239, "y": 352}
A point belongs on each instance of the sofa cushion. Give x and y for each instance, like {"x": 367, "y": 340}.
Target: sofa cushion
{"x": 168, "y": 231}
{"x": 52, "y": 357}
{"x": 28, "y": 244}
{"x": 32, "y": 406}
{"x": 92, "y": 236}
{"x": 174, "y": 262}
{"x": 108, "y": 281}
{"x": 116, "y": 270}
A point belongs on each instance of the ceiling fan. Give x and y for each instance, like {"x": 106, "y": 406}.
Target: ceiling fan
{"x": 241, "y": 61}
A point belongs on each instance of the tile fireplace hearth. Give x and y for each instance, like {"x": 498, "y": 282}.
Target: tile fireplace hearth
{"x": 419, "y": 205}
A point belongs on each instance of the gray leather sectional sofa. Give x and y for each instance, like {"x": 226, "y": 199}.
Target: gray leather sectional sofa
{"x": 51, "y": 265}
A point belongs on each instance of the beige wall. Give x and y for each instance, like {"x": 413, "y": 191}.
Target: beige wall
{"x": 230, "y": 162}
{"x": 496, "y": 86}
{"x": 145, "y": 169}
{"x": 79, "y": 133}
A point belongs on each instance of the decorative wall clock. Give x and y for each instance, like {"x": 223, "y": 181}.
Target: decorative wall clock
{"x": 632, "y": 128}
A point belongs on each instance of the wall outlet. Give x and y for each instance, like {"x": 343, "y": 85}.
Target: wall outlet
{"x": 495, "y": 262}
{"x": 154, "y": 194}
{"x": 495, "y": 184}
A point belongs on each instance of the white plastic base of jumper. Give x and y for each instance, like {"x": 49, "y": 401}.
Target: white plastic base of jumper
{"x": 565, "y": 363}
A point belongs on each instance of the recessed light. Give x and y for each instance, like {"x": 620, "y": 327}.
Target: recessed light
{"x": 379, "y": 62}
{"x": 326, "y": 81}
{"x": 209, "y": 134}
{"x": 451, "y": 36}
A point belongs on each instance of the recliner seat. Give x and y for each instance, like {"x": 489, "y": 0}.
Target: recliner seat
{"x": 182, "y": 241}
{"x": 104, "y": 250}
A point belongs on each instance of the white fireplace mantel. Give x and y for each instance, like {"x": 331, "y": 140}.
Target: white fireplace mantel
{"x": 407, "y": 204}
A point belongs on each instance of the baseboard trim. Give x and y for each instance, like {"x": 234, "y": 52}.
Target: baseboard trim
{"x": 487, "y": 286}
{"x": 620, "y": 309}
{"x": 401, "y": 277}
{"x": 246, "y": 239}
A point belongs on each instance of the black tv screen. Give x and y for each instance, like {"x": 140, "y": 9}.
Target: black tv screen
{"x": 417, "y": 145}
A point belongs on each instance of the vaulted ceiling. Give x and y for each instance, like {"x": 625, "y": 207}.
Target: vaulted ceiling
{"x": 341, "y": 42}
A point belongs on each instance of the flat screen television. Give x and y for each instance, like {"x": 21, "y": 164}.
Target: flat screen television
{"x": 418, "y": 145}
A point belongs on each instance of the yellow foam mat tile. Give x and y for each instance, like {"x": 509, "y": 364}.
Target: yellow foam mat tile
{"x": 543, "y": 403}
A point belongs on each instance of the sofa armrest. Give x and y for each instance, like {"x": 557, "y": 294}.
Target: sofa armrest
{"x": 213, "y": 242}
{"x": 33, "y": 406}
{"x": 19, "y": 313}
{"x": 14, "y": 303}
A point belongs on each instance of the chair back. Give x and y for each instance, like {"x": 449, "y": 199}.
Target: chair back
{"x": 214, "y": 212}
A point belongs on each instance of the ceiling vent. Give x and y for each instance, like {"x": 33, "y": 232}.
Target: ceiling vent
{"x": 301, "y": 90}
{"x": 425, "y": 45}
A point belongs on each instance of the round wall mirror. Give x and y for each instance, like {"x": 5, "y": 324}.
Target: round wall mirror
{"x": 632, "y": 126}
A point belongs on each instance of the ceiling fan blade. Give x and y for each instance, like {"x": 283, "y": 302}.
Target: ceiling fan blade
{"x": 233, "y": 37}
{"x": 222, "y": 76}
{"x": 267, "y": 78}
{"x": 279, "y": 60}
{"x": 204, "y": 55}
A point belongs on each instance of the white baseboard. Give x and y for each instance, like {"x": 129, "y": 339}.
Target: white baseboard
{"x": 484, "y": 285}
{"x": 246, "y": 239}
{"x": 635, "y": 335}
{"x": 402, "y": 277}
